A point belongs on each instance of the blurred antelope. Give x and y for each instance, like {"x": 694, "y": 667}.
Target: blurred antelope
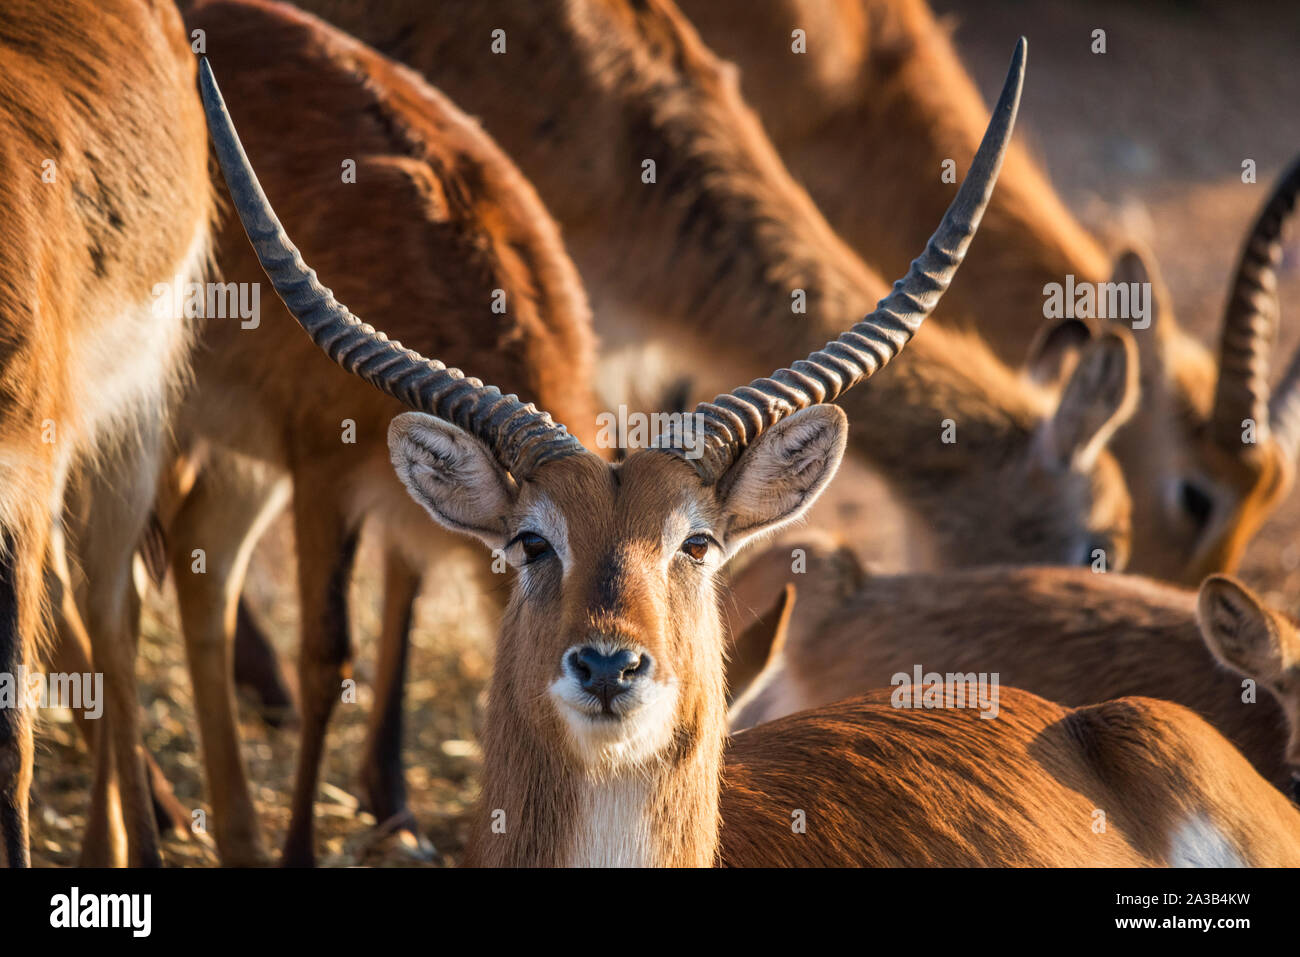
{"x": 716, "y": 252}
{"x": 1067, "y": 634}
{"x": 452, "y": 225}
{"x": 96, "y": 214}
{"x": 885, "y": 70}
{"x": 606, "y": 731}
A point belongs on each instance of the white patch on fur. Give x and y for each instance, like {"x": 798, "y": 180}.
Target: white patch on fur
{"x": 126, "y": 361}
{"x": 1198, "y": 843}
{"x": 613, "y": 824}
{"x": 643, "y": 728}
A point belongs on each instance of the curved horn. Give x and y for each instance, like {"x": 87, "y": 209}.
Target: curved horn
{"x": 520, "y": 437}
{"x": 732, "y": 421}
{"x": 1250, "y": 327}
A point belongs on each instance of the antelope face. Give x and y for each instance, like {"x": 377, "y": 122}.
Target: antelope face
{"x": 611, "y": 635}
{"x": 1260, "y": 643}
{"x": 1197, "y": 500}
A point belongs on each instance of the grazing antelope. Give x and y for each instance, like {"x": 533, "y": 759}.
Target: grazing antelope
{"x": 885, "y": 70}
{"x": 606, "y": 729}
{"x": 716, "y": 252}
{"x": 460, "y": 230}
{"x": 1067, "y": 634}
{"x": 96, "y": 214}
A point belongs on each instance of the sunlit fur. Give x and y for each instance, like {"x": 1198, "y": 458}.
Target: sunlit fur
{"x": 96, "y": 214}
{"x": 1070, "y": 635}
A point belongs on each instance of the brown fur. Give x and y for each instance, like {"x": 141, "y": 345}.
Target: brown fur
{"x": 881, "y": 98}
{"x": 1070, "y": 635}
{"x": 437, "y": 219}
{"x": 128, "y": 205}
{"x": 882, "y": 786}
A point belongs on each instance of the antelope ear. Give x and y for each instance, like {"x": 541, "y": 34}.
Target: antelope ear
{"x": 1055, "y": 350}
{"x": 1239, "y": 630}
{"x": 1137, "y": 264}
{"x": 1100, "y": 396}
{"x": 759, "y": 644}
{"x": 453, "y": 475}
{"x": 781, "y": 474}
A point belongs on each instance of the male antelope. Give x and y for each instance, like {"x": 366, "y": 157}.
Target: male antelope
{"x": 106, "y": 194}
{"x": 460, "y": 230}
{"x": 1067, "y": 634}
{"x": 606, "y": 729}
{"x": 875, "y": 71}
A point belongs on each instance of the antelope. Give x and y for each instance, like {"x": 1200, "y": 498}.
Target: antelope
{"x": 1069, "y": 635}
{"x": 605, "y": 734}
{"x": 460, "y": 227}
{"x": 873, "y": 68}
{"x": 95, "y": 217}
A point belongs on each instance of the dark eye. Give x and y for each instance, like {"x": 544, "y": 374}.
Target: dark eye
{"x": 1196, "y": 502}
{"x": 696, "y": 547}
{"x": 535, "y": 547}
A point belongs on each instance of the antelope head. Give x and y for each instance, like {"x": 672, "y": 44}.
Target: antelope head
{"x": 609, "y": 667}
{"x": 1211, "y": 449}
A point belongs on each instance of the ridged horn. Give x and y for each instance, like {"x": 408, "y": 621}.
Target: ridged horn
{"x": 520, "y": 437}
{"x": 1250, "y": 330}
{"x": 730, "y": 422}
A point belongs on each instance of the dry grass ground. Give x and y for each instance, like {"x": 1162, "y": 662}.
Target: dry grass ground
{"x": 1147, "y": 139}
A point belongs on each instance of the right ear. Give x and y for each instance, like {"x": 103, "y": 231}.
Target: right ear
{"x": 453, "y": 475}
{"x": 1099, "y": 397}
{"x": 1239, "y": 630}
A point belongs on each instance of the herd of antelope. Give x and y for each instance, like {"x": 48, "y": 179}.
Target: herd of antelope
{"x": 666, "y": 691}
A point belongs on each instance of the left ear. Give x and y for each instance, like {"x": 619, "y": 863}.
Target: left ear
{"x": 1239, "y": 630}
{"x": 781, "y": 474}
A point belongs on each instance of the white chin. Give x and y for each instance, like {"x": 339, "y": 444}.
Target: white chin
{"x": 605, "y": 743}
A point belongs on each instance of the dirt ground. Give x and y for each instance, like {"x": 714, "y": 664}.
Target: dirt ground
{"x": 1145, "y": 140}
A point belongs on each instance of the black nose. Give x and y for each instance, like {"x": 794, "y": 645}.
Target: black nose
{"x": 607, "y": 676}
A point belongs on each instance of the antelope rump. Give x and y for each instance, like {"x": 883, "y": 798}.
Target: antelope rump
{"x": 656, "y": 576}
